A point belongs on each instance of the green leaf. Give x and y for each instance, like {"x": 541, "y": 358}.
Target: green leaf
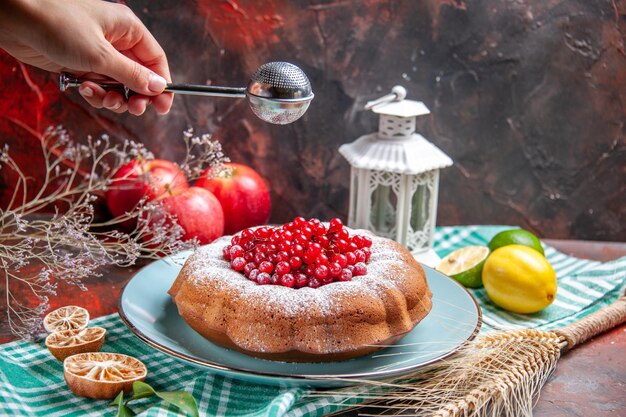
{"x": 182, "y": 400}
{"x": 118, "y": 400}
{"x": 122, "y": 410}
{"x": 142, "y": 390}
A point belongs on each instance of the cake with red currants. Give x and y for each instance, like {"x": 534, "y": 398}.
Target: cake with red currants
{"x": 306, "y": 291}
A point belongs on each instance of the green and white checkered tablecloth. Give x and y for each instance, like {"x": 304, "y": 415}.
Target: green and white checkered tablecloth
{"x": 31, "y": 380}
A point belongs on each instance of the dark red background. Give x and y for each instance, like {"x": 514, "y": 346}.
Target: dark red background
{"x": 527, "y": 98}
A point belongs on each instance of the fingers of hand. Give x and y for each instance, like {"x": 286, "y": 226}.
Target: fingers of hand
{"x": 130, "y": 73}
{"x": 137, "y": 104}
{"x": 163, "y": 102}
{"x": 98, "y": 97}
{"x": 92, "y": 93}
{"x": 115, "y": 102}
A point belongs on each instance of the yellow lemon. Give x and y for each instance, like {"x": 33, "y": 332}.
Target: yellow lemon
{"x": 519, "y": 279}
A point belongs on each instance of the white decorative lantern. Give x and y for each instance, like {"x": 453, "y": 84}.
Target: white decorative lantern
{"x": 394, "y": 177}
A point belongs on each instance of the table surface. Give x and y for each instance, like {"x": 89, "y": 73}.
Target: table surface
{"x": 590, "y": 380}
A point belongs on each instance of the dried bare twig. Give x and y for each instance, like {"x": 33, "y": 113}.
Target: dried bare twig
{"x": 70, "y": 245}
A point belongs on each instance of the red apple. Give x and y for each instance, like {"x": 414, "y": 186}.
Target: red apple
{"x": 197, "y": 211}
{"x": 142, "y": 178}
{"x": 243, "y": 194}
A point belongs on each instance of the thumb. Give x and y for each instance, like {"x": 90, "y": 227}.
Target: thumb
{"x": 132, "y": 74}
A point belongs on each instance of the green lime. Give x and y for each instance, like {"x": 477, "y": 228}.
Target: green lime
{"x": 515, "y": 237}
{"x": 465, "y": 265}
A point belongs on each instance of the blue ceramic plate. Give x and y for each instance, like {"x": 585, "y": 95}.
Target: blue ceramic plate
{"x": 149, "y": 312}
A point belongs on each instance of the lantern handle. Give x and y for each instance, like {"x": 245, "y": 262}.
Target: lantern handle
{"x": 398, "y": 93}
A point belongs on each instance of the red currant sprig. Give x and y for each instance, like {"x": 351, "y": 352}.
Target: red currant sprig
{"x": 301, "y": 253}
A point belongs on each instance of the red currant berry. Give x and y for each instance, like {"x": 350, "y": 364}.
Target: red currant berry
{"x": 238, "y": 264}
{"x": 368, "y": 252}
{"x": 236, "y": 251}
{"x": 266, "y": 267}
{"x": 343, "y": 234}
{"x": 323, "y": 241}
{"x": 360, "y": 255}
{"x": 275, "y": 279}
{"x": 285, "y": 245}
{"x": 259, "y": 257}
{"x": 235, "y": 240}
{"x": 346, "y": 275}
{"x": 253, "y": 275}
{"x": 313, "y": 283}
{"x": 248, "y": 268}
{"x": 297, "y": 250}
{"x": 301, "y": 279}
{"x": 272, "y": 248}
{"x": 342, "y": 245}
{"x": 247, "y": 234}
{"x": 341, "y": 259}
{"x": 322, "y": 259}
{"x": 332, "y": 248}
{"x": 335, "y": 225}
{"x": 359, "y": 269}
{"x": 287, "y": 235}
{"x": 300, "y": 239}
{"x": 283, "y": 268}
{"x": 313, "y": 222}
{"x": 283, "y": 256}
{"x": 308, "y": 258}
{"x": 248, "y": 256}
{"x": 287, "y": 280}
{"x": 263, "y": 278}
{"x": 295, "y": 262}
{"x": 299, "y": 221}
{"x": 367, "y": 242}
{"x": 352, "y": 247}
{"x": 226, "y": 252}
{"x": 321, "y": 272}
{"x": 310, "y": 270}
{"x": 262, "y": 233}
{"x": 273, "y": 258}
{"x": 320, "y": 230}
{"x": 275, "y": 237}
{"x": 335, "y": 269}
{"x": 315, "y": 249}
{"x": 351, "y": 258}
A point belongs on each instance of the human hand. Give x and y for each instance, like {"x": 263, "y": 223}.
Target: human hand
{"x": 91, "y": 38}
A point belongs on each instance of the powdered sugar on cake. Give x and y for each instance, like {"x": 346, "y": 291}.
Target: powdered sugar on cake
{"x": 208, "y": 265}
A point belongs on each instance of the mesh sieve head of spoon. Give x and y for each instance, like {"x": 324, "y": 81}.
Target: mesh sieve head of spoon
{"x": 279, "y": 92}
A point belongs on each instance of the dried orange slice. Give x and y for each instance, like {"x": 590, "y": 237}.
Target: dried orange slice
{"x": 70, "y": 342}
{"x": 102, "y": 375}
{"x": 66, "y": 318}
